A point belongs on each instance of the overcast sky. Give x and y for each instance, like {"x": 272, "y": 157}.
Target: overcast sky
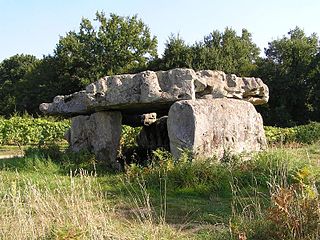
{"x": 34, "y": 26}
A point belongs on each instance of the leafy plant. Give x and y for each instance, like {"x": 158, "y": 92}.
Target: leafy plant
{"x": 309, "y": 133}
{"x": 294, "y": 211}
{"x": 25, "y": 130}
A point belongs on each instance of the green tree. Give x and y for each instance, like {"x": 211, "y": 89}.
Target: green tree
{"x": 14, "y": 82}
{"x": 177, "y": 54}
{"x": 314, "y": 88}
{"x": 229, "y": 52}
{"x": 106, "y": 46}
{"x": 117, "y": 45}
{"x": 286, "y": 70}
{"x": 225, "y": 51}
{"x": 43, "y": 84}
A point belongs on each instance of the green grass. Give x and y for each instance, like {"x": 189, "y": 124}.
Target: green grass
{"x": 70, "y": 197}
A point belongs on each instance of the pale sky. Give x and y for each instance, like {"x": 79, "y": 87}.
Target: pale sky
{"x": 34, "y": 26}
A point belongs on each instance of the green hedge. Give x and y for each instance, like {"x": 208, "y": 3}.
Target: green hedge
{"x": 309, "y": 133}
{"x": 28, "y": 130}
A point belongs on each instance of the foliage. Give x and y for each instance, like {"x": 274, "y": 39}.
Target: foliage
{"x": 274, "y": 194}
{"x": 291, "y": 212}
{"x": 129, "y": 136}
{"x": 309, "y": 133}
{"x": 204, "y": 199}
{"x": 203, "y": 175}
{"x": 225, "y": 51}
{"x": 290, "y": 70}
{"x": 113, "y": 44}
{"x": 49, "y": 146}
{"x": 117, "y": 45}
{"x": 280, "y": 135}
{"x": 177, "y": 54}
{"x": 44, "y": 84}
{"x": 105, "y": 46}
{"x": 28, "y": 130}
{"x": 14, "y": 85}
{"x": 294, "y": 212}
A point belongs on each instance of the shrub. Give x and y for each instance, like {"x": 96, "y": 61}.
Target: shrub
{"x": 205, "y": 176}
{"x": 24, "y": 130}
{"x": 309, "y": 133}
{"x": 280, "y": 135}
{"x": 129, "y": 136}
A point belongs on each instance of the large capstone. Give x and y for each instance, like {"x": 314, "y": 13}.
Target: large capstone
{"x": 99, "y": 133}
{"x": 150, "y": 91}
{"x": 210, "y": 127}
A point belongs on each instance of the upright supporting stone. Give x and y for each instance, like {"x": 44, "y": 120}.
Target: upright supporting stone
{"x": 208, "y": 127}
{"x": 99, "y": 133}
{"x": 155, "y": 135}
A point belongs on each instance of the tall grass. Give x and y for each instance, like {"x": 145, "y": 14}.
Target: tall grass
{"x": 273, "y": 195}
{"x": 290, "y": 210}
{"x": 76, "y": 209}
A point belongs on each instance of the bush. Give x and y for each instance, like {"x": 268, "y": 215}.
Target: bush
{"x": 129, "y": 136}
{"x": 309, "y": 133}
{"x": 25, "y": 130}
{"x": 280, "y": 135}
{"x": 205, "y": 175}
{"x": 201, "y": 176}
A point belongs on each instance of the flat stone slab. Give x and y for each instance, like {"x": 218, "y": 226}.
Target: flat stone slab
{"x": 156, "y": 91}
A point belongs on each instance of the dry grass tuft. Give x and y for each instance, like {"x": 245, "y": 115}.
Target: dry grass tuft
{"x": 76, "y": 209}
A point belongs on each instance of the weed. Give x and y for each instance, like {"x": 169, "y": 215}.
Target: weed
{"x": 291, "y": 209}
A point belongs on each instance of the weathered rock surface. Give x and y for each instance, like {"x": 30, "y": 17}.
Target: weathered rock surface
{"x": 99, "y": 133}
{"x": 155, "y": 135}
{"x": 208, "y": 127}
{"x": 151, "y": 91}
{"x": 217, "y": 84}
{"x": 209, "y": 112}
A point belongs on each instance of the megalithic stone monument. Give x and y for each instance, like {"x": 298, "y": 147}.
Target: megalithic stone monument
{"x": 207, "y": 112}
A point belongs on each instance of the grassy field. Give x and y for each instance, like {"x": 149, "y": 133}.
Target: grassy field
{"x": 274, "y": 195}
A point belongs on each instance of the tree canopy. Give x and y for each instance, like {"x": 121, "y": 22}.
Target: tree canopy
{"x": 14, "y": 73}
{"x": 225, "y": 51}
{"x": 290, "y": 71}
{"x": 113, "y": 44}
{"x": 116, "y": 45}
{"x": 106, "y": 46}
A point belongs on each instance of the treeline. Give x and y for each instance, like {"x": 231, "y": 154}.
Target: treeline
{"x": 114, "y": 45}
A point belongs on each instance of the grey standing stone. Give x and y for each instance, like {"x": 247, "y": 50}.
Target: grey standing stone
{"x": 208, "y": 127}
{"x": 154, "y": 135}
{"x": 99, "y": 133}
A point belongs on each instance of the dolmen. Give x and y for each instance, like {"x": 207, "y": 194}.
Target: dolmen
{"x": 206, "y": 112}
